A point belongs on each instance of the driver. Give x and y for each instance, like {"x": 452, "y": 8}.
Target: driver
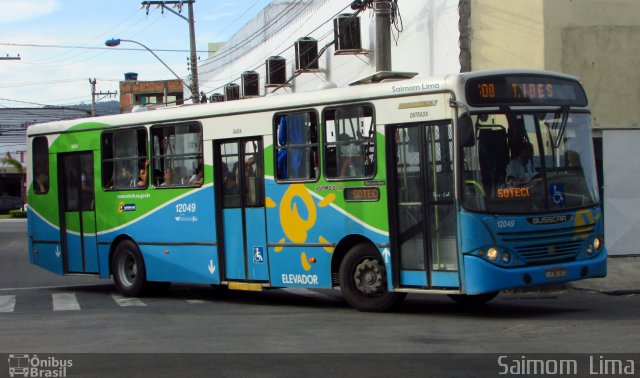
{"x": 519, "y": 171}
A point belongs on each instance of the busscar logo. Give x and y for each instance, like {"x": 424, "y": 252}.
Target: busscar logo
{"x": 24, "y": 365}
{"x": 549, "y": 220}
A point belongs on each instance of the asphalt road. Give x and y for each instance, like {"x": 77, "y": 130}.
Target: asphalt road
{"x": 44, "y": 313}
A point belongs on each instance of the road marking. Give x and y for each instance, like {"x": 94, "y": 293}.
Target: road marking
{"x": 127, "y": 302}
{"x": 7, "y": 303}
{"x": 195, "y": 301}
{"x": 65, "y": 302}
{"x": 51, "y": 287}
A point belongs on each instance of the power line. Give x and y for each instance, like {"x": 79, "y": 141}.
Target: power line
{"x": 91, "y": 47}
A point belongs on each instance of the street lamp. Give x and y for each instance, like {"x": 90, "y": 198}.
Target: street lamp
{"x": 116, "y": 41}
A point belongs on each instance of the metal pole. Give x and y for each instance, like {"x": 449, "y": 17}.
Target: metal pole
{"x": 383, "y": 35}
{"x": 195, "y": 91}
{"x": 93, "y": 97}
{"x": 157, "y": 57}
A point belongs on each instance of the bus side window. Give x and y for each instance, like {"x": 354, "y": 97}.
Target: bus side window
{"x": 296, "y": 151}
{"x": 349, "y": 145}
{"x": 176, "y": 151}
{"x": 124, "y": 153}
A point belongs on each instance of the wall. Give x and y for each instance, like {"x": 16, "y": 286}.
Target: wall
{"x": 507, "y": 34}
{"x": 599, "y": 41}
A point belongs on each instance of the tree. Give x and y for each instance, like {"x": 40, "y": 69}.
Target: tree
{"x": 18, "y": 166}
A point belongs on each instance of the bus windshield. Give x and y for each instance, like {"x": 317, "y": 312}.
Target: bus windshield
{"x": 529, "y": 162}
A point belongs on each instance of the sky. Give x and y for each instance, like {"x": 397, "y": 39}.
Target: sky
{"x": 61, "y": 44}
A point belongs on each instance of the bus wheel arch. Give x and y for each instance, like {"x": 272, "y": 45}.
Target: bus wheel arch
{"x": 127, "y": 267}
{"x": 363, "y": 279}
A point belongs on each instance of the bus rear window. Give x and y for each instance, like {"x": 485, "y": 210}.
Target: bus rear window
{"x": 40, "y": 165}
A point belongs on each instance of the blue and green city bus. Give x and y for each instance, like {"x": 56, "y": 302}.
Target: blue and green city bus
{"x": 380, "y": 189}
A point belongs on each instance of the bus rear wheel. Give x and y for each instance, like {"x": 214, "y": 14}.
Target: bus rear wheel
{"x": 128, "y": 269}
{"x": 473, "y": 300}
{"x": 363, "y": 280}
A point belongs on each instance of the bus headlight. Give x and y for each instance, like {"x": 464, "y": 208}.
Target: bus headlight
{"x": 492, "y": 254}
{"x": 597, "y": 243}
{"x": 506, "y": 257}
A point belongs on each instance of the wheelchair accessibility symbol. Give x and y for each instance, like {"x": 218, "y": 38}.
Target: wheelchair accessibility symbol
{"x": 258, "y": 255}
{"x": 556, "y": 191}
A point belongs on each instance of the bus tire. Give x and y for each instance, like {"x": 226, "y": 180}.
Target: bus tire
{"x": 473, "y": 300}
{"x": 363, "y": 280}
{"x": 129, "y": 274}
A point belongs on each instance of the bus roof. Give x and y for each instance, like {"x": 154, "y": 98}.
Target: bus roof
{"x": 353, "y": 94}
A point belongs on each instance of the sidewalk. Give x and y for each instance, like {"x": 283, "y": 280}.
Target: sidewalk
{"x": 623, "y": 277}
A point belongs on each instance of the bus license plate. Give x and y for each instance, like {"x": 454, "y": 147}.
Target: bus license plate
{"x": 555, "y": 273}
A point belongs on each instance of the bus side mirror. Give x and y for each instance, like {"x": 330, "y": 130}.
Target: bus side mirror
{"x": 466, "y": 134}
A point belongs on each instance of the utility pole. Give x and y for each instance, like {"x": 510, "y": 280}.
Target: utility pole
{"x": 94, "y": 94}
{"x": 382, "y": 10}
{"x": 10, "y": 57}
{"x": 195, "y": 90}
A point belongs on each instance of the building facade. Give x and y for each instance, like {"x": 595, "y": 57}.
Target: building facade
{"x": 149, "y": 94}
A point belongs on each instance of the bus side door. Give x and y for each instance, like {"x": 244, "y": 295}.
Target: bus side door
{"x": 77, "y": 212}
{"x": 422, "y": 208}
{"x": 240, "y": 189}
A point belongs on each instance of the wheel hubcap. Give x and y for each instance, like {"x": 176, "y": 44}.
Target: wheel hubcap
{"x": 369, "y": 277}
{"x": 128, "y": 269}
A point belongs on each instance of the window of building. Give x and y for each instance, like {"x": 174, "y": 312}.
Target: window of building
{"x": 177, "y": 155}
{"x": 40, "y": 167}
{"x": 297, "y": 146}
{"x": 349, "y": 144}
{"x": 124, "y": 159}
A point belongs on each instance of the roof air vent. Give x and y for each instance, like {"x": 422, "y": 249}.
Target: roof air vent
{"x": 346, "y": 32}
{"x": 231, "y": 92}
{"x": 250, "y": 81}
{"x": 216, "y": 97}
{"x": 276, "y": 70}
{"x": 306, "y": 54}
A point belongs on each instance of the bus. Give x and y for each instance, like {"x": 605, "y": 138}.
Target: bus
{"x": 378, "y": 189}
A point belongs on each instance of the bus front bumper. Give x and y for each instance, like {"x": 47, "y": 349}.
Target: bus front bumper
{"x": 482, "y": 277}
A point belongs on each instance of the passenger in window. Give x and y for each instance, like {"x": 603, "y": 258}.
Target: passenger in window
{"x": 42, "y": 179}
{"x": 124, "y": 179}
{"x": 282, "y": 152}
{"x": 157, "y": 177}
{"x": 143, "y": 175}
{"x": 229, "y": 182}
{"x": 196, "y": 178}
{"x": 166, "y": 180}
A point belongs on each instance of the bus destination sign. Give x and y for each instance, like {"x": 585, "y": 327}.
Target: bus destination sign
{"x": 366, "y": 194}
{"x": 524, "y": 90}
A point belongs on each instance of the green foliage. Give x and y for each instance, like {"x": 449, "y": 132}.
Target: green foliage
{"x": 18, "y": 213}
{"x": 14, "y": 163}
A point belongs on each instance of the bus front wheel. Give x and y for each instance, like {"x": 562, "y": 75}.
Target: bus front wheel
{"x": 363, "y": 280}
{"x": 128, "y": 269}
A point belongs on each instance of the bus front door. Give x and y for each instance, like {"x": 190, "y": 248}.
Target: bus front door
{"x": 77, "y": 216}
{"x": 240, "y": 188}
{"x": 422, "y": 207}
